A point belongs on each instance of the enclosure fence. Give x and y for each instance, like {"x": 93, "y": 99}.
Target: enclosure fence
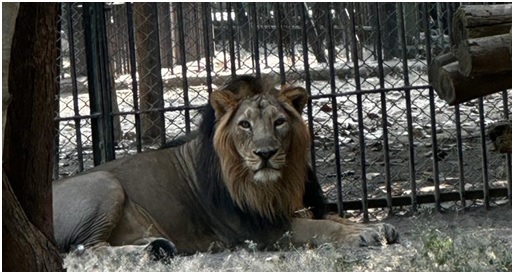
{"x": 134, "y": 77}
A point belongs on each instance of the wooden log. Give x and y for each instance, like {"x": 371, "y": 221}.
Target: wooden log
{"x": 456, "y": 88}
{"x": 480, "y": 20}
{"x": 436, "y": 66}
{"x": 488, "y": 54}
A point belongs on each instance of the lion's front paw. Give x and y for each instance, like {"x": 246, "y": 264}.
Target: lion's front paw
{"x": 378, "y": 235}
{"x": 161, "y": 249}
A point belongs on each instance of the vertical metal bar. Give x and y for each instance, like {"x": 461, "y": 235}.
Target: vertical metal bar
{"x": 449, "y": 11}
{"x": 194, "y": 33}
{"x": 265, "y": 35}
{"x": 383, "y": 105}
{"x": 412, "y": 169}
{"x": 403, "y": 43}
{"x": 105, "y": 82}
{"x": 133, "y": 73}
{"x": 508, "y": 162}
{"x": 485, "y": 171}
{"x": 437, "y": 193}
{"x": 362, "y": 144}
{"x": 182, "y": 47}
{"x": 223, "y": 32}
{"x": 460, "y": 157}
{"x": 126, "y": 53}
{"x": 207, "y": 43}
{"x": 255, "y": 31}
{"x": 238, "y": 33}
{"x": 74, "y": 89}
{"x": 458, "y": 131}
{"x": 231, "y": 41}
{"x": 171, "y": 51}
{"x": 61, "y": 18}
{"x": 508, "y": 156}
{"x": 440, "y": 24}
{"x": 335, "y": 125}
{"x": 345, "y": 33}
{"x": 305, "y": 50}
{"x": 292, "y": 35}
{"x": 91, "y": 42}
{"x": 280, "y": 42}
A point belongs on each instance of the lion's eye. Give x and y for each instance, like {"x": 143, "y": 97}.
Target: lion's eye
{"x": 280, "y": 121}
{"x": 244, "y": 124}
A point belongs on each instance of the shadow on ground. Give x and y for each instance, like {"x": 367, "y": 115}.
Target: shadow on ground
{"x": 474, "y": 240}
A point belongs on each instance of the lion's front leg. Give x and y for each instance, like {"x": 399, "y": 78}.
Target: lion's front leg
{"x": 341, "y": 233}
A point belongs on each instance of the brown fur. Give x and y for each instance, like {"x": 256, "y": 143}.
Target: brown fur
{"x": 187, "y": 192}
{"x": 271, "y": 200}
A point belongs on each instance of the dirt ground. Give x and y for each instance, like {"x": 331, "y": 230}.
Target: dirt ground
{"x": 472, "y": 240}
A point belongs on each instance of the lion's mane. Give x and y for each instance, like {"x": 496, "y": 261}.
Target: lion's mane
{"x": 230, "y": 187}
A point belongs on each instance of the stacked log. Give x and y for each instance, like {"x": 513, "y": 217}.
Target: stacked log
{"x": 480, "y": 61}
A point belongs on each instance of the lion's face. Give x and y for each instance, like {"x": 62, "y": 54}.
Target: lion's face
{"x": 262, "y": 130}
{"x": 262, "y": 144}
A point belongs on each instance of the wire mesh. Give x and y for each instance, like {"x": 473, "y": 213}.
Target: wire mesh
{"x": 165, "y": 59}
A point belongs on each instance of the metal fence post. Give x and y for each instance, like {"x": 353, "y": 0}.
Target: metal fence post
{"x": 98, "y": 81}
{"x": 373, "y": 114}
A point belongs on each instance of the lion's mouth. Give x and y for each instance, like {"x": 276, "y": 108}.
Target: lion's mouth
{"x": 265, "y": 171}
{"x": 266, "y": 165}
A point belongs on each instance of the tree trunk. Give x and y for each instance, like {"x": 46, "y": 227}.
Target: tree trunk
{"x": 314, "y": 37}
{"x": 79, "y": 39}
{"x": 9, "y": 13}
{"x": 149, "y": 71}
{"x": 244, "y": 26}
{"x": 165, "y": 35}
{"x": 192, "y": 34}
{"x": 490, "y": 54}
{"x": 411, "y": 22}
{"x": 481, "y": 20}
{"x": 389, "y": 31}
{"x": 116, "y": 121}
{"x": 24, "y": 247}
{"x": 27, "y": 227}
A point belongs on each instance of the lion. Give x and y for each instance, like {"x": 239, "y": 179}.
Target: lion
{"x": 240, "y": 177}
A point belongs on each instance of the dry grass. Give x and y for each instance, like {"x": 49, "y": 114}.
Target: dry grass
{"x": 476, "y": 241}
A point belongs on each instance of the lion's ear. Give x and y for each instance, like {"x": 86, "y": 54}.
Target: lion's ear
{"x": 222, "y": 101}
{"x": 295, "y": 96}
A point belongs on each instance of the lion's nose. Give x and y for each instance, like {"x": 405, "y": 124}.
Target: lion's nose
{"x": 265, "y": 154}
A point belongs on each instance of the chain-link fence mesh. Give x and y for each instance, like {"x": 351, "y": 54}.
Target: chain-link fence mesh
{"x": 366, "y": 60}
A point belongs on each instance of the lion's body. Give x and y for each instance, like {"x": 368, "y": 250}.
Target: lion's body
{"x": 241, "y": 177}
{"x": 164, "y": 184}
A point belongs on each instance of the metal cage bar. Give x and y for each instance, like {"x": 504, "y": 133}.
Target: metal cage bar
{"x": 291, "y": 40}
{"x": 133, "y": 72}
{"x": 383, "y": 107}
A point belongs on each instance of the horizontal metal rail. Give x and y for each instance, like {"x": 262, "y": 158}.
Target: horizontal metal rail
{"x": 79, "y": 117}
{"x": 368, "y": 91}
{"x": 346, "y": 37}
{"x": 421, "y": 199}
